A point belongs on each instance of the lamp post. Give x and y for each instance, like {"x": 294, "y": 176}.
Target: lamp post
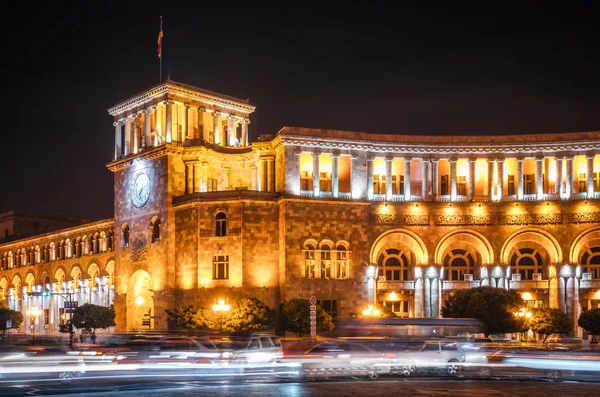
{"x": 221, "y": 308}
{"x": 33, "y": 313}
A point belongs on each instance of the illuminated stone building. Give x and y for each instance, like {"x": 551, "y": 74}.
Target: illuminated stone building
{"x": 200, "y": 214}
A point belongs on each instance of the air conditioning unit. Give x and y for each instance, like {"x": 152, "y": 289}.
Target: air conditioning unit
{"x": 516, "y": 277}
{"x": 537, "y": 276}
{"x": 468, "y": 277}
{"x": 586, "y": 276}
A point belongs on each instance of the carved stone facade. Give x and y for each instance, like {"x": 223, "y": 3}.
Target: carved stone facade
{"x": 304, "y": 212}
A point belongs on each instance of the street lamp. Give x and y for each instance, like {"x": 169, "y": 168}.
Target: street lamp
{"x": 370, "y": 311}
{"x": 33, "y": 313}
{"x": 221, "y": 307}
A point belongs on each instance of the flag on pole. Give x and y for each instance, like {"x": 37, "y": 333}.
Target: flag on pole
{"x": 159, "y": 41}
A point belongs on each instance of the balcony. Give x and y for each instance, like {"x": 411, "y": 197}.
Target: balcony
{"x": 459, "y": 284}
{"x": 378, "y": 197}
{"x": 396, "y": 285}
{"x": 528, "y": 284}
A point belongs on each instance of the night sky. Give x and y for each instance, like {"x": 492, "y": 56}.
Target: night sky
{"x": 417, "y": 68}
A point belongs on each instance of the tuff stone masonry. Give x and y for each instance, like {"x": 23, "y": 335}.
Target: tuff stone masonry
{"x": 202, "y": 215}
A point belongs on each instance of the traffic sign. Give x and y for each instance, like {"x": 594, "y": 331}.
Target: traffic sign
{"x": 313, "y": 323}
{"x": 8, "y": 324}
{"x": 313, "y": 307}
{"x": 313, "y": 333}
{"x": 313, "y": 313}
{"x": 71, "y": 304}
{"x": 313, "y": 301}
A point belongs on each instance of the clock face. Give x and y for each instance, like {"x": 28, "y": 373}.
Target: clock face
{"x": 141, "y": 189}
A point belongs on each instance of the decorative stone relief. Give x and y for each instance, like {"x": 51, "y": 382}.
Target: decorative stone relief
{"x": 466, "y": 220}
{"x": 139, "y": 253}
{"x": 584, "y": 217}
{"x": 206, "y": 233}
{"x": 532, "y": 219}
{"x": 399, "y": 220}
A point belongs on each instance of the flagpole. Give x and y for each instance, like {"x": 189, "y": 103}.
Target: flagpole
{"x": 160, "y": 48}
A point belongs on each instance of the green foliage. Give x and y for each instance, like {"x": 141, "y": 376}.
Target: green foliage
{"x": 7, "y": 314}
{"x": 92, "y": 317}
{"x": 590, "y": 321}
{"x": 494, "y": 307}
{"x": 550, "y": 321}
{"x": 296, "y": 317}
{"x": 185, "y": 317}
{"x": 249, "y": 314}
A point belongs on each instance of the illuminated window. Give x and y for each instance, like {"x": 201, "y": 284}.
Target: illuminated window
{"x": 221, "y": 267}
{"x": 221, "y": 225}
{"x": 526, "y": 262}
{"x": 393, "y": 265}
{"x": 306, "y": 181}
{"x": 596, "y": 181}
{"x": 529, "y": 184}
{"x": 155, "y": 225}
{"x": 400, "y": 307}
{"x": 397, "y": 184}
{"x": 511, "y": 185}
{"x": 378, "y": 184}
{"x": 590, "y": 262}
{"x": 309, "y": 261}
{"x": 325, "y": 181}
{"x": 211, "y": 185}
{"x": 461, "y": 186}
{"x": 325, "y": 261}
{"x": 444, "y": 185}
{"x": 582, "y": 182}
{"x": 125, "y": 232}
{"x": 341, "y": 263}
{"x": 457, "y": 263}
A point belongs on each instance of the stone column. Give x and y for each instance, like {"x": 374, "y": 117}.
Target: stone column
{"x": 255, "y": 178}
{"x": 425, "y": 179}
{"x": 434, "y": 178}
{"x": 539, "y": 182}
{"x": 500, "y": 179}
{"x": 127, "y": 147}
{"x": 490, "y": 177}
{"x": 200, "y": 134}
{"x": 217, "y": 127}
{"x": 118, "y": 149}
{"x": 147, "y": 140}
{"x": 590, "y": 176}
{"x": 270, "y": 174}
{"x": 569, "y": 189}
{"x": 559, "y": 176}
{"x": 576, "y": 306}
{"x": 370, "y": 179}
{"x": 520, "y": 178}
{"x": 230, "y": 131}
{"x": 316, "y": 176}
{"x": 189, "y": 173}
{"x": 134, "y": 135}
{"x": 418, "y": 298}
{"x": 206, "y": 125}
{"x": 186, "y": 126}
{"x": 169, "y": 111}
{"x": 388, "y": 179}
{"x": 334, "y": 175}
{"x": 472, "y": 178}
{"x": 407, "y": 192}
{"x": 204, "y": 186}
{"x": 453, "y": 179}
{"x": 245, "y": 139}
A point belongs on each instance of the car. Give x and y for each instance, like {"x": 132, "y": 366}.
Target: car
{"x": 252, "y": 348}
{"x": 563, "y": 343}
{"x": 436, "y": 355}
{"x": 342, "y": 358}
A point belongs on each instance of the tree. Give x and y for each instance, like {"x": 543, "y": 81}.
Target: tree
{"x": 249, "y": 314}
{"x": 590, "y": 321}
{"x": 296, "y": 317}
{"x": 91, "y": 317}
{"x": 550, "y": 321}
{"x": 185, "y": 317}
{"x": 494, "y": 307}
{"x": 14, "y": 316}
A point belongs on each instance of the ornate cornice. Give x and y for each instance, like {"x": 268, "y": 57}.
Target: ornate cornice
{"x": 159, "y": 151}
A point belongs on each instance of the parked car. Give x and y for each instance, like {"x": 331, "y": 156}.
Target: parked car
{"x": 345, "y": 359}
{"x": 442, "y": 354}
{"x": 252, "y": 348}
{"x": 563, "y": 343}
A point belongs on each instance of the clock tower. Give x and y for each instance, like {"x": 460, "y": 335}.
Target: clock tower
{"x": 154, "y": 133}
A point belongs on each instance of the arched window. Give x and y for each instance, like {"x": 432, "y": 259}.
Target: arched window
{"x": 341, "y": 263}
{"x": 458, "y": 263}
{"x": 155, "y": 225}
{"x": 526, "y": 262}
{"x": 393, "y": 265}
{"x": 38, "y": 255}
{"x": 125, "y": 232}
{"x": 309, "y": 261}
{"x": 102, "y": 246}
{"x": 325, "y": 261}
{"x": 590, "y": 262}
{"x": 221, "y": 225}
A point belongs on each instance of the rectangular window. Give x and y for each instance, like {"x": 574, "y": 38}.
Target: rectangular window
{"x": 325, "y": 264}
{"x": 378, "y": 184}
{"x": 445, "y": 185}
{"x": 397, "y": 184}
{"x": 596, "y": 181}
{"x": 221, "y": 267}
{"x": 325, "y": 181}
{"x": 330, "y": 306}
{"x": 341, "y": 265}
{"x": 46, "y": 317}
{"x": 309, "y": 264}
{"x": 211, "y": 185}
{"x": 582, "y": 182}
{"x": 462, "y": 185}
{"x": 529, "y": 184}
{"x": 306, "y": 182}
{"x": 511, "y": 185}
